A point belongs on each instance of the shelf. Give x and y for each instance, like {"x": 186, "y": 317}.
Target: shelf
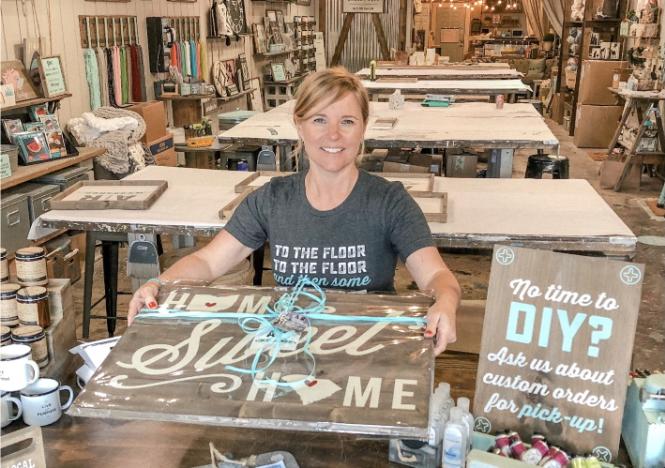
{"x": 223, "y": 38}
{"x": 573, "y": 23}
{"x": 272, "y": 54}
{"x": 191, "y": 97}
{"x": 27, "y": 173}
{"x": 287, "y": 82}
{"x": 33, "y": 102}
{"x": 236, "y": 96}
{"x": 602, "y": 21}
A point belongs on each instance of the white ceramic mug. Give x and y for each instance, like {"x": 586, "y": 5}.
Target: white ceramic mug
{"x": 41, "y": 402}
{"x": 17, "y": 369}
{"x": 6, "y": 411}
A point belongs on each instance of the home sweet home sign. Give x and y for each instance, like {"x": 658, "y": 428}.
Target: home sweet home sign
{"x": 362, "y": 377}
{"x": 556, "y": 347}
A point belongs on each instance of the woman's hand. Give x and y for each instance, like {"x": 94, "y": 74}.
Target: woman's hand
{"x": 143, "y": 297}
{"x": 441, "y": 325}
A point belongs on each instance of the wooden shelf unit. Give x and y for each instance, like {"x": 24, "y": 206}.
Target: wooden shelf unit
{"x": 27, "y": 173}
{"x": 33, "y": 102}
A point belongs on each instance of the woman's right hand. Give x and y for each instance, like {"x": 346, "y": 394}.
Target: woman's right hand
{"x": 145, "y": 296}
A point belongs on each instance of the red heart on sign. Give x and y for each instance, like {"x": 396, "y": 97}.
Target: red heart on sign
{"x": 210, "y": 304}
{"x": 311, "y": 383}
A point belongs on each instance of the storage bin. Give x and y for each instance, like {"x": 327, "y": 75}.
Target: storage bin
{"x": 12, "y": 152}
{"x": 38, "y": 197}
{"x": 15, "y": 222}
{"x": 65, "y": 178}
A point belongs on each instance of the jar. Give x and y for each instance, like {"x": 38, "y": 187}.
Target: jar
{"x": 4, "y": 265}
{"x": 5, "y": 335}
{"x": 31, "y": 266}
{"x": 8, "y": 308}
{"x": 33, "y": 336}
{"x": 32, "y": 305}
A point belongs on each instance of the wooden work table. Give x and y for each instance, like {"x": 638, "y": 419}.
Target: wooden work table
{"x": 467, "y": 87}
{"x": 469, "y": 72}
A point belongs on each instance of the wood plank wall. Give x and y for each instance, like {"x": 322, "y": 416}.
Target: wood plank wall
{"x": 57, "y": 23}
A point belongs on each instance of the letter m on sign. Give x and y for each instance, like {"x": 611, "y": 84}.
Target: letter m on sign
{"x": 354, "y": 391}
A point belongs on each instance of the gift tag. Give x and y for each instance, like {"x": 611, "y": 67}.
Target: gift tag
{"x": 266, "y": 338}
{"x": 290, "y": 321}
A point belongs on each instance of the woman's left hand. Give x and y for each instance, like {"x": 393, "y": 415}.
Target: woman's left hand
{"x": 441, "y": 325}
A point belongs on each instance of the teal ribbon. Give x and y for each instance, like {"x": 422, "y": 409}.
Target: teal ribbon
{"x": 287, "y": 303}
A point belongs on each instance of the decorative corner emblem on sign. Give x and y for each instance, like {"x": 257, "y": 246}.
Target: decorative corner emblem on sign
{"x": 482, "y": 424}
{"x": 630, "y": 275}
{"x": 505, "y": 256}
{"x": 602, "y": 453}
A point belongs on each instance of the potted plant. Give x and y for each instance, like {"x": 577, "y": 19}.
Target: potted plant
{"x": 548, "y": 40}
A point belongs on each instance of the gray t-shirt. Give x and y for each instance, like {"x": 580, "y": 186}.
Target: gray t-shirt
{"x": 353, "y": 246}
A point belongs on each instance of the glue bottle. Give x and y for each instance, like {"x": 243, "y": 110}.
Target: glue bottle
{"x": 464, "y": 403}
{"x": 454, "y": 441}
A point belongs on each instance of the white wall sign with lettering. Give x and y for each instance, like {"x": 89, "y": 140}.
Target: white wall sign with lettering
{"x": 369, "y": 377}
{"x": 363, "y": 6}
{"x": 556, "y": 347}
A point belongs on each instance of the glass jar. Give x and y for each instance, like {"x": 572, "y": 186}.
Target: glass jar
{"x": 31, "y": 266}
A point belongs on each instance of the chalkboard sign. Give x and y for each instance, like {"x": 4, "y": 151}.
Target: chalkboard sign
{"x": 556, "y": 347}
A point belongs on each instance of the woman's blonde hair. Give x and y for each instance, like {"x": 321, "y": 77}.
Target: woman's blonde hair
{"x": 327, "y": 86}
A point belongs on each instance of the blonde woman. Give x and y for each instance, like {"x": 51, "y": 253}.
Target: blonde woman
{"x": 342, "y": 227}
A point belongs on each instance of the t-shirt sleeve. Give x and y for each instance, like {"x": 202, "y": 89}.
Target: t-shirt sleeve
{"x": 249, "y": 223}
{"x": 406, "y": 223}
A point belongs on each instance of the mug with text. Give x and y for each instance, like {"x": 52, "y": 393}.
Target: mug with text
{"x": 17, "y": 369}
{"x": 6, "y": 411}
{"x": 41, "y": 402}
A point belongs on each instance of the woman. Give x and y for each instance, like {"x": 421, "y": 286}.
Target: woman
{"x": 340, "y": 226}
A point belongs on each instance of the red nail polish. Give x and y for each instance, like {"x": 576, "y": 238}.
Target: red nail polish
{"x": 152, "y": 305}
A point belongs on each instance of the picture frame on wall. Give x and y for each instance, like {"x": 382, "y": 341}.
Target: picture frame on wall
{"x": 280, "y": 21}
{"x": 52, "y": 76}
{"x": 259, "y": 38}
{"x": 244, "y": 68}
{"x": 13, "y": 73}
{"x": 271, "y": 15}
{"x": 278, "y": 71}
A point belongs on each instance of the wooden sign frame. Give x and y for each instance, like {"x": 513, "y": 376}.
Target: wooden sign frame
{"x": 13, "y": 73}
{"x": 158, "y": 187}
{"x": 31, "y": 454}
{"x": 46, "y": 79}
{"x": 426, "y": 178}
{"x": 433, "y": 214}
{"x": 227, "y": 211}
{"x": 556, "y": 348}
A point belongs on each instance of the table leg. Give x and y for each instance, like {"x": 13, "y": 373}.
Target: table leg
{"x": 88, "y": 278}
{"x": 110, "y": 261}
{"x": 500, "y": 163}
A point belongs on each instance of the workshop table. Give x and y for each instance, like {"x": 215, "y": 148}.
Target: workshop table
{"x": 469, "y": 72}
{"x": 468, "y": 124}
{"x": 491, "y": 88}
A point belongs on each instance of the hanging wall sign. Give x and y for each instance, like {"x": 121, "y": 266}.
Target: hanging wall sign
{"x": 556, "y": 347}
{"x": 363, "y": 6}
{"x": 354, "y": 375}
{"x": 52, "y": 76}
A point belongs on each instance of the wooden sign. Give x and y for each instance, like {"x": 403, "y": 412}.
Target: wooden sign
{"x": 109, "y": 194}
{"x": 52, "y": 76}
{"x": 358, "y": 376}
{"x": 13, "y": 73}
{"x": 363, "y": 6}
{"x": 556, "y": 348}
{"x": 23, "y": 448}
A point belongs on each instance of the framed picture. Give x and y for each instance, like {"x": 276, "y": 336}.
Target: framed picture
{"x": 13, "y": 73}
{"x": 7, "y": 96}
{"x": 280, "y": 21}
{"x": 33, "y": 127}
{"x": 230, "y": 70}
{"x": 109, "y": 194}
{"x": 244, "y": 69}
{"x": 271, "y": 15}
{"x": 259, "y": 38}
{"x": 12, "y": 127}
{"x": 56, "y": 144}
{"x": 37, "y": 110}
{"x": 278, "y": 71}
{"x": 232, "y": 89}
{"x": 51, "y": 123}
{"x": 33, "y": 147}
{"x": 52, "y": 75}
{"x": 255, "y": 97}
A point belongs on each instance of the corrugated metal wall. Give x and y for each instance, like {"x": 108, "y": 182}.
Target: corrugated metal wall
{"x": 362, "y": 44}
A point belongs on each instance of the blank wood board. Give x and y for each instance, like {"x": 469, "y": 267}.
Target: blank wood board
{"x": 417, "y": 182}
{"x": 556, "y": 347}
{"x": 109, "y": 194}
{"x": 368, "y": 378}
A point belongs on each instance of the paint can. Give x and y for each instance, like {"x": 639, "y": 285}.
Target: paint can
{"x": 243, "y": 165}
{"x": 8, "y": 308}
{"x": 35, "y": 337}
{"x": 31, "y": 266}
{"x": 4, "y": 265}
{"x": 32, "y": 305}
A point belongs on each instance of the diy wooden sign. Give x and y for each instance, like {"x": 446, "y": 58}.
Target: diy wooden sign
{"x": 109, "y": 194}
{"x": 556, "y": 348}
{"x": 362, "y": 377}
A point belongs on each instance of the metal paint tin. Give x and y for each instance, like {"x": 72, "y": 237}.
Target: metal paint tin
{"x": 35, "y": 337}
{"x": 32, "y": 305}
{"x": 5, "y": 335}
{"x": 8, "y": 308}
{"x": 31, "y": 266}
{"x": 4, "y": 265}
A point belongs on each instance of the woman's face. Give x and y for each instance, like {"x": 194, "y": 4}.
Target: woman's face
{"x": 333, "y": 133}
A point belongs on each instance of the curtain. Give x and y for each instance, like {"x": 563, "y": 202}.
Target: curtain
{"x": 533, "y": 17}
{"x": 554, "y": 11}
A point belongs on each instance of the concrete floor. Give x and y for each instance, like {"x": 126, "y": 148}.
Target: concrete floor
{"x": 472, "y": 270}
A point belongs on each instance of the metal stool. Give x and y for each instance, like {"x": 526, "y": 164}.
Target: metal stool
{"x": 538, "y": 163}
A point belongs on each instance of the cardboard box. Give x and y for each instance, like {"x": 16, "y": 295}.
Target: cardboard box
{"x": 161, "y": 144}
{"x": 154, "y": 114}
{"x": 610, "y": 171}
{"x": 595, "y": 79}
{"x": 434, "y": 162}
{"x": 461, "y": 165}
{"x": 390, "y": 166}
{"x": 59, "y": 297}
{"x": 556, "y": 109}
{"x": 595, "y": 125}
{"x": 167, "y": 158}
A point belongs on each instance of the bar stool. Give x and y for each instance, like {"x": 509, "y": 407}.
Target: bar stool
{"x": 558, "y": 166}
